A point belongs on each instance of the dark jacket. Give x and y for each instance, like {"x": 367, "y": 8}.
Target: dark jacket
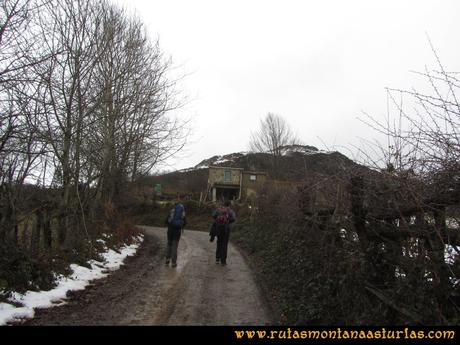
{"x": 215, "y": 230}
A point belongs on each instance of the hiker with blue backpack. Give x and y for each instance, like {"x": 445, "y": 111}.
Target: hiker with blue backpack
{"x": 176, "y": 222}
{"x": 223, "y": 217}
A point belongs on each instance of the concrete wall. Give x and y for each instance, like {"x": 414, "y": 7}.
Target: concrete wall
{"x": 217, "y": 176}
{"x": 248, "y": 187}
{"x": 251, "y": 187}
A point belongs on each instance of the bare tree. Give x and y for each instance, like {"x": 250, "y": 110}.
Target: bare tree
{"x": 134, "y": 130}
{"x": 274, "y": 134}
{"x": 20, "y": 152}
{"x": 63, "y": 90}
{"x": 19, "y": 48}
{"x": 85, "y": 103}
{"x": 18, "y": 52}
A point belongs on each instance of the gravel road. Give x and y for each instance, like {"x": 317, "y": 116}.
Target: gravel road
{"x": 147, "y": 292}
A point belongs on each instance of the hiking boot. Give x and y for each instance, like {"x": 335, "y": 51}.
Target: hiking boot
{"x": 174, "y": 264}
{"x": 217, "y": 261}
{"x": 167, "y": 262}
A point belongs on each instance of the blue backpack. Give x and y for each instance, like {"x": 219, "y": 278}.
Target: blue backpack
{"x": 177, "y": 220}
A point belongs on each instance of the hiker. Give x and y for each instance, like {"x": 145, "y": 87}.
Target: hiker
{"x": 223, "y": 217}
{"x": 176, "y": 222}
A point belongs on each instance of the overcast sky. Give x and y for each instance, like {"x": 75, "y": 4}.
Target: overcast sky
{"x": 319, "y": 64}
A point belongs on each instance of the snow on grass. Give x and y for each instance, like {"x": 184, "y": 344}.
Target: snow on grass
{"x": 9, "y": 312}
{"x": 453, "y": 223}
{"x": 399, "y": 273}
{"x": 450, "y": 253}
{"x": 78, "y": 280}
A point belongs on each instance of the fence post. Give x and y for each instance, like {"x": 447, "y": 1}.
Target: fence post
{"x": 358, "y": 210}
{"x": 437, "y": 244}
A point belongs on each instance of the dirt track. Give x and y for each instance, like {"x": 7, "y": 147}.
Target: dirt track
{"x": 146, "y": 292}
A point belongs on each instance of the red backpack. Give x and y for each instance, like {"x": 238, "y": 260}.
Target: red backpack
{"x": 223, "y": 216}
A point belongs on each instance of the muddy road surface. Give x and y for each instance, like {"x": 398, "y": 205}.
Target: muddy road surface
{"x": 147, "y": 292}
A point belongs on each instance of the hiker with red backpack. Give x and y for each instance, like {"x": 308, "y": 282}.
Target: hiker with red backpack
{"x": 176, "y": 222}
{"x": 223, "y": 217}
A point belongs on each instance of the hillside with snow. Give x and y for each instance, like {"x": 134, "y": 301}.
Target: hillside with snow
{"x": 295, "y": 161}
{"x": 295, "y": 164}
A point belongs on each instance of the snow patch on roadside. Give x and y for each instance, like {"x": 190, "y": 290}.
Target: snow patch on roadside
{"x": 78, "y": 280}
{"x": 450, "y": 253}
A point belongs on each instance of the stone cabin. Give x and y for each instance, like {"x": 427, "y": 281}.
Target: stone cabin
{"x": 233, "y": 183}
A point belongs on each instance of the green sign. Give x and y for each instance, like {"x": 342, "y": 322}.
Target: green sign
{"x": 158, "y": 189}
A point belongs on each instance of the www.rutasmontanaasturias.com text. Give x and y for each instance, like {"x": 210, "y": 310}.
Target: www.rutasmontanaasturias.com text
{"x": 340, "y": 333}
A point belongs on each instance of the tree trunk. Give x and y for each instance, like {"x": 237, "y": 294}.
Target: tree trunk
{"x": 47, "y": 234}
{"x": 35, "y": 238}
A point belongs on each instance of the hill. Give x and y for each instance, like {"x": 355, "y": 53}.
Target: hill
{"x": 297, "y": 163}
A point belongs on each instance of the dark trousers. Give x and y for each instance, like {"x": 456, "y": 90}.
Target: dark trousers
{"x": 173, "y": 243}
{"x": 222, "y": 244}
